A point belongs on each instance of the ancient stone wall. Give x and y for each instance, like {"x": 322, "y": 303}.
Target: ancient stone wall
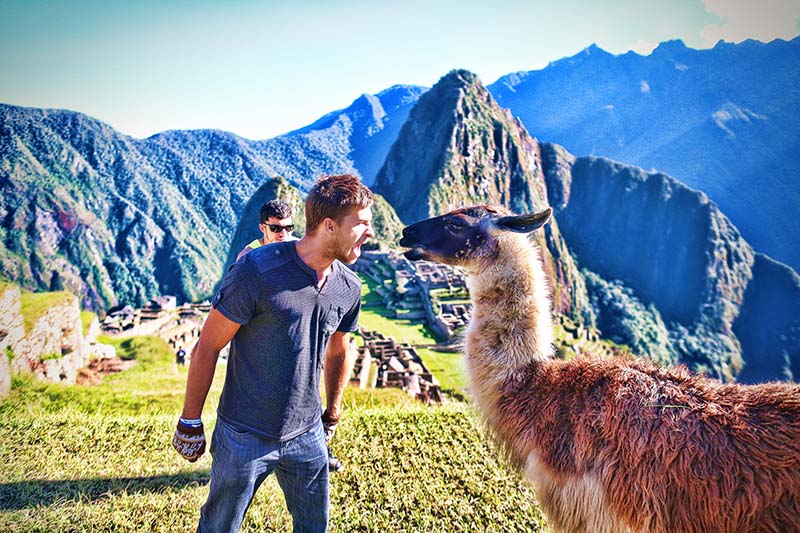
{"x": 12, "y": 331}
{"x": 55, "y": 348}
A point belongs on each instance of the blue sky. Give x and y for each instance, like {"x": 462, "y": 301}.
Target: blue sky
{"x": 259, "y": 69}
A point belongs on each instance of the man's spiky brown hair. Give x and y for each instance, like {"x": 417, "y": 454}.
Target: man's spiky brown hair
{"x": 333, "y": 196}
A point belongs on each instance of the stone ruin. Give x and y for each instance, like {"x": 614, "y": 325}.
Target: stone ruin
{"x": 410, "y": 290}
{"x": 157, "y": 315}
{"x": 55, "y": 349}
{"x": 383, "y": 362}
{"x": 454, "y": 316}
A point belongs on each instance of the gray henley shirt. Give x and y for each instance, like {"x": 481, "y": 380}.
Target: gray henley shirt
{"x": 272, "y": 384}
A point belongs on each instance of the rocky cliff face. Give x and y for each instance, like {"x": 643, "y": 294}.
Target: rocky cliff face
{"x": 52, "y": 347}
{"x": 666, "y": 241}
{"x": 12, "y": 331}
{"x": 768, "y": 325}
{"x": 683, "y": 260}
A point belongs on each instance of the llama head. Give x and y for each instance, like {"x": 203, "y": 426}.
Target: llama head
{"x": 468, "y": 236}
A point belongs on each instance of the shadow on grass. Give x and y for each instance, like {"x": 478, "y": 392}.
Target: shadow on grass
{"x": 42, "y": 493}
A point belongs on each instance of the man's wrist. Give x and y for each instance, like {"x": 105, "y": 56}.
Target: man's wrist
{"x": 330, "y": 416}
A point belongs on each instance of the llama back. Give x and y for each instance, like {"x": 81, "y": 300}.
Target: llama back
{"x": 661, "y": 448}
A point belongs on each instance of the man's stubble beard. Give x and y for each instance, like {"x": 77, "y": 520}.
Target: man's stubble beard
{"x": 341, "y": 251}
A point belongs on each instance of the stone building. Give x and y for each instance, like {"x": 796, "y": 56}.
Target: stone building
{"x": 383, "y": 362}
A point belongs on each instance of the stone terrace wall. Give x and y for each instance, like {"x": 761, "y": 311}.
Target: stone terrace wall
{"x": 12, "y": 331}
{"x": 55, "y": 348}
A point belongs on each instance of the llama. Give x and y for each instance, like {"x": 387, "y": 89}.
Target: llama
{"x": 613, "y": 444}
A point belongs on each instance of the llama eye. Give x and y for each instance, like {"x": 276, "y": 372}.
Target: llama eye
{"x": 455, "y": 224}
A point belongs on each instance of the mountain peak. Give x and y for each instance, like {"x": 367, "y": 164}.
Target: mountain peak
{"x": 670, "y": 47}
{"x": 461, "y": 73}
{"x": 459, "y": 77}
{"x": 593, "y": 49}
{"x": 455, "y": 85}
{"x": 591, "y": 52}
{"x": 473, "y": 152}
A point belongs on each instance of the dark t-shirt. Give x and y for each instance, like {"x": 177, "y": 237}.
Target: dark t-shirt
{"x": 272, "y": 385}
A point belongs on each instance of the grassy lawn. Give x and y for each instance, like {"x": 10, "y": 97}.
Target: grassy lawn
{"x": 447, "y": 367}
{"x": 402, "y": 330}
{"x": 375, "y": 317}
{"x": 98, "y": 458}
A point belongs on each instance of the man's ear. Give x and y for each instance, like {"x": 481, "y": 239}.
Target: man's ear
{"x": 329, "y": 224}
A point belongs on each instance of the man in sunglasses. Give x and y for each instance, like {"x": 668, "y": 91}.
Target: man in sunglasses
{"x": 287, "y": 310}
{"x": 275, "y": 224}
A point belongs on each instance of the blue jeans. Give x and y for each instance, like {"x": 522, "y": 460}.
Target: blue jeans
{"x": 241, "y": 462}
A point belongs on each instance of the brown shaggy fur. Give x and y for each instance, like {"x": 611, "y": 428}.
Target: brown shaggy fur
{"x": 611, "y": 444}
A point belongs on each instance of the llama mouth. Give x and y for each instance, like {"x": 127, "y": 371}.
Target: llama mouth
{"x": 415, "y": 254}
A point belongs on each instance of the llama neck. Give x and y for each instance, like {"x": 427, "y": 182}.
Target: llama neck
{"x": 512, "y": 324}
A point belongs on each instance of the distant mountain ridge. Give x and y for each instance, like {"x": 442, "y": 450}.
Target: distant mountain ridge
{"x": 368, "y": 127}
{"x": 725, "y": 121}
{"x": 118, "y": 219}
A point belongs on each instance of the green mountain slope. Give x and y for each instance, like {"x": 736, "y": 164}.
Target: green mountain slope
{"x": 87, "y": 209}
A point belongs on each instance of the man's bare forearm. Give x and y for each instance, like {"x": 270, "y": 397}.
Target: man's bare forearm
{"x": 217, "y": 332}
{"x": 201, "y": 375}
{"x": 336, "y": 372}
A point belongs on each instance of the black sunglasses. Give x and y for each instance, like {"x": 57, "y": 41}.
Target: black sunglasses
{"x": 277, "y": 228}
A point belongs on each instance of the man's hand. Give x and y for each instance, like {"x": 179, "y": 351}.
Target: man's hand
{"x": 329, "y": 423}
{"x": 189, "y": 440}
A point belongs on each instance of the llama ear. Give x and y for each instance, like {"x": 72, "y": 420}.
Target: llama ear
{"x": 525, "y": 223}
